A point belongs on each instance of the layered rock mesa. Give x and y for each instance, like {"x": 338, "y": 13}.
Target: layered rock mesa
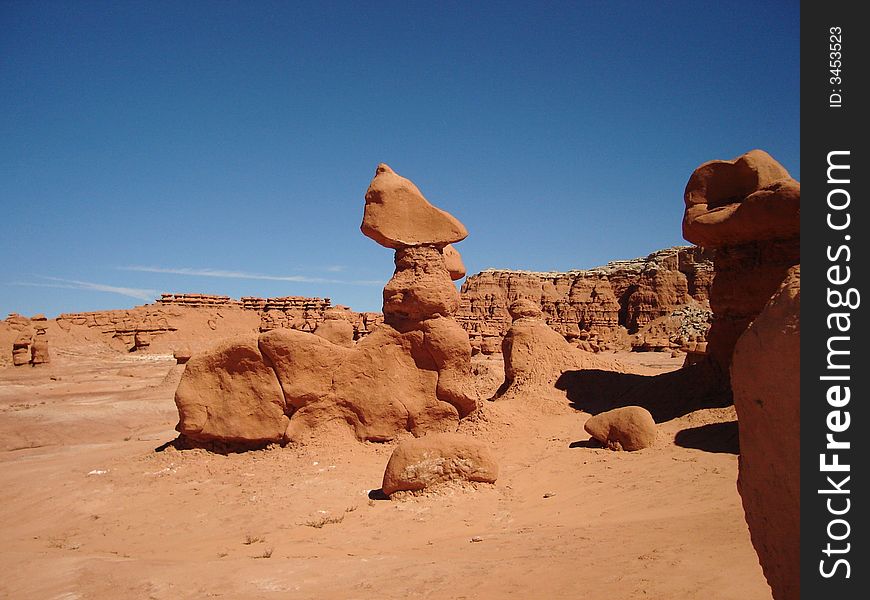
{"x": 747, "y": 211}
{"x": 590, "y": 306}
{"x": 197, "y": 320}
{"x": 411, "y": 373}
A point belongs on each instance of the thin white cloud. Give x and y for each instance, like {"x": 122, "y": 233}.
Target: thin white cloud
{"x": 225, "y": 274}
{"x": 73, "y": 284}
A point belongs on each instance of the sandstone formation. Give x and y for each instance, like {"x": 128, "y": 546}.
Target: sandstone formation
{"x": 766, "y": 385}
{"x": 535, "y": 356}
{"x": 453, "y": 261}
{"x": 39, "y": 354}
{"x": 422, "y": 463}
{"x": 593, "y": 308}
{"x": 627, "y": 428}
{"x": 230, "y": 394}
{"x": 195, "y": 321}
{"x": 397, "y": 215}
{"x": 21, "y": 351}
{"x": 748, "y": 211}
{"x": 411, "y": 373}
{"x": 182, "y": 355}
{"x": 335, "y": 328}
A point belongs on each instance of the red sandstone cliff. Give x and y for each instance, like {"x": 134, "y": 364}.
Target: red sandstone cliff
{"x": 597, "y": 307}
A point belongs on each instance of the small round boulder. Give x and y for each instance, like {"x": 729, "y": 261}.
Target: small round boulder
{"x": 420, "y": 463}
{"x": 627, "y": 428}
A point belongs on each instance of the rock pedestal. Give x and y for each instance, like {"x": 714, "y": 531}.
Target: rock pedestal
{"x": 748, "y": 211}
{"x": 411, "y": 373}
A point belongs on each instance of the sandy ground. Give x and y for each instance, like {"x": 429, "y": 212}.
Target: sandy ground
{"x": 91, "y": 510}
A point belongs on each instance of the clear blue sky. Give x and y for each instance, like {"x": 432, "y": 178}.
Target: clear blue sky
{"x": 225, "y": 147}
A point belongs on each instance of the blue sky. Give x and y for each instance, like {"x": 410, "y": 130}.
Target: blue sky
{"x": 225, "y": 147}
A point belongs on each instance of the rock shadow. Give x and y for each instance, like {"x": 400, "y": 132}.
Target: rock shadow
{"x": 666, "y": 396}
{"x": 720, "y": 438}
{"x": 590, "y": 443}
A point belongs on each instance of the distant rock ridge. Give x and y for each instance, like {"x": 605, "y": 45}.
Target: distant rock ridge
{"x": 594, "y": 307}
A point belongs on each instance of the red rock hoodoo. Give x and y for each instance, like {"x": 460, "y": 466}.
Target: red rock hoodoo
{"x": 747, "y": 211}
{"x": 411, "y": 373}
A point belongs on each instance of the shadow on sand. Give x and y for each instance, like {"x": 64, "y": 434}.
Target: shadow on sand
{"x": 666, "y": 396}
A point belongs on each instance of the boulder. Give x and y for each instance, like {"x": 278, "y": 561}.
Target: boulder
{"x": 765, "y": 378}
{"x": 181, "y": 355}
{"x": 627, "y": 428}
{"x": 397, "y": 215}
{"x": 230, "y": 394}
{"x": 421, "y": 463}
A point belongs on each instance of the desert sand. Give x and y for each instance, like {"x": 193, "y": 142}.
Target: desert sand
{"x": 98, "y": 504}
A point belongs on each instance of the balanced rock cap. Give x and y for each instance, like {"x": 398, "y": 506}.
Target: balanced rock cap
{"x": 750, "y": 198}
{"x": 397, "y": 215}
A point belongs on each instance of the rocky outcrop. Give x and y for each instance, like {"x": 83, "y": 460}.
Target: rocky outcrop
{"x": 765, "y": 377}
{"x": 196, "y": 320}
{"x": 27, "y": 338}
{"x": 423, "y": 463}
{"x": 198, "y": 300}
{"x": 593, "y": 307}
{"x": 747, "y": 211}
{"x": 536, "y": 356}
{"x": 230, "y": 394}
{"x": 21, "y": 351}
{"x": 39, "y": 354}
{"x": 627, "y": 428}
{"x": 411, "y": 373}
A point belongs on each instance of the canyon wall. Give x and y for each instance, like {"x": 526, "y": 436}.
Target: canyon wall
{"x": 661, "y": 300}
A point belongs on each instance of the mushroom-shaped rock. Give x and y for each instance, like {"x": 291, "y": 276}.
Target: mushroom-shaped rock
{"x": 335, "y": 328}
{"x": 397, "y": 215}
{"x": 420, "y": 463}
{"x": 230, "y": 394}
{"x": 627, "y": 428}
{"x": 453, "y": 262}
{"x": 748, "y": 199}
{"x": 748, "y": 211}
{"x": 765, "y": 377}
